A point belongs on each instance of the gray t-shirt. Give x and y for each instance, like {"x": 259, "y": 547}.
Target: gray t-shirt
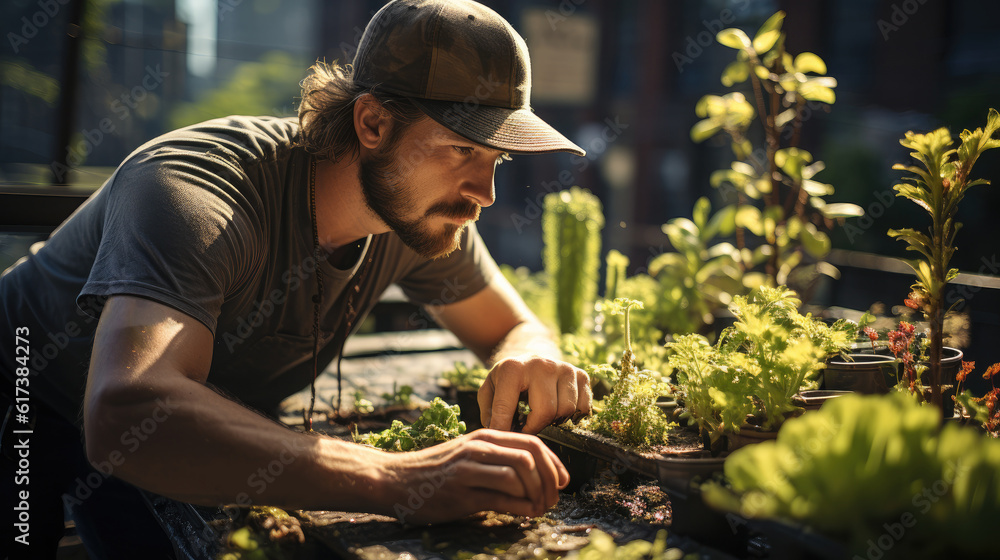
{"x": 213, "y": 220}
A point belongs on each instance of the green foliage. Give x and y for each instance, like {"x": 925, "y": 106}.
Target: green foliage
{"x": 465, "y": 377}
{"x": 792, "y": 216}
{"x": 437, "y": 424}
{"x": 603, "y": 547}
{"x": 399, "y": 396}
{"x": 255, "y": 88}
{"x": 937, "y": 186}
{"x": 629, "y": 414}
{"x": 267, "y": 533}
{"x": 698, "y": 277}
{"x": 757, "y": 366}
{"x": 534, "y": 288}
{"x": 361, "y": 404}
{"x": 862, "y": 462}
{"x": 572, "y": 223}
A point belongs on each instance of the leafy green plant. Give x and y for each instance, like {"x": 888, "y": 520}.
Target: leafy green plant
{"x": 699, "y": 277}
{"x": 862, "y": 463}
{"x": 571, "y": 222}
{"x": 438, "y": 423}
{"x": 399, "y": 396}
{"x": 757, "y": 366}
{"x": 466, "y": 377}
{"x": 361, "y": 404}
{"x": 602, "y": 547}
{"x": 937, "y": 186}
{"x": 792, "y": 215}
{"x": 266, "y": 533}
{"x": 629, "y": 414}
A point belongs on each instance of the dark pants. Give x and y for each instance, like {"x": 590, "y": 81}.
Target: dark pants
{"x": 111, "y": 516}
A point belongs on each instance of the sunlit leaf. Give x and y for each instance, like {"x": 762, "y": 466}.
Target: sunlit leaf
{"x": 842, "y": 210}
{"x": 815, "y": 242}
{"x": 735, "y": 73}
{"x": 749, "y": 218}
{"x": 722, "y": 223}
{"x": 773, "y": 23}
{"x": 809, "y": 62}
{"x": 704, "y": 129}
{"x": 764, "y": 41}
{"x": 815, "y": 188}
{"x": 813, "y": 92}
{"x": 733, "y": 38}
{"x": 700, "y": 213}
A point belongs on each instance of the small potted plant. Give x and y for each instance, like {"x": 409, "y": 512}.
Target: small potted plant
{"x": 748, "y": 380}
{"x": 937, "y": 185}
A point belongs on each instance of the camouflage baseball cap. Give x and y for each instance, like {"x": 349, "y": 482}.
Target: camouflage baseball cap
{"x": 464, "y": 66}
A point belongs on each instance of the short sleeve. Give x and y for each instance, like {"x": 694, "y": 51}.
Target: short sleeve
{"x": 463, "y": 273}
{"x": 176, "y": 231}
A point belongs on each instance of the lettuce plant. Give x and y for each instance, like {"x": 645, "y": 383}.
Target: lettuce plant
{"x": 871, "y": 468}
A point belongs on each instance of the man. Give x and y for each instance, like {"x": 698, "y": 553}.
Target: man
{"x": 223, "y": 262}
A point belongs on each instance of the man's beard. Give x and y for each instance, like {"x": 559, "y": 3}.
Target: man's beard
{"x": 388, "y": 196}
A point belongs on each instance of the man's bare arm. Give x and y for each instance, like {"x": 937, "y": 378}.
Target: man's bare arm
{"x": 149, "y": 413}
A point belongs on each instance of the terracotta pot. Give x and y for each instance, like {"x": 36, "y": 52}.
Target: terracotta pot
{"x": 865, "y": 373}
{"x": 749, "y": 435}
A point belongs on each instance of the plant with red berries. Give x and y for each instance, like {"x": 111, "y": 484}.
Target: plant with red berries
{"x": 937, "y": 187}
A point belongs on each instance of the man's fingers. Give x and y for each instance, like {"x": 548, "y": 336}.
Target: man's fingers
{"x": 550, "y": 471}
{"x": 499, "y": 478}
{"x": 500, "y": 398}
{"x": 568, "y": 395}
{"x": 585, "y": 396}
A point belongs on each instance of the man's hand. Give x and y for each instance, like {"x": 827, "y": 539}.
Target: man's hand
{"x": 556, "y": 390}
{"x": 483, "y": 470}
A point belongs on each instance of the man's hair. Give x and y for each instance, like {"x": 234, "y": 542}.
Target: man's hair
{"x": 326, "y": 113}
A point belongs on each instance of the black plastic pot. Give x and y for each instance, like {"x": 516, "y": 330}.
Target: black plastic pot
{"x": 863, "y": 373}
{"x": 814, "y": 399}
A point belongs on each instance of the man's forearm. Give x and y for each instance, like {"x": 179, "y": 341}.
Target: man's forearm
{"x": 185, "y": 441}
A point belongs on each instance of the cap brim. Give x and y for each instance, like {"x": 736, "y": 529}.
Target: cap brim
{"x": 517, "y": 131}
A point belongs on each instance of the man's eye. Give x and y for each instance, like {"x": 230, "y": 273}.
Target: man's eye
{"x": 464, "y": 150}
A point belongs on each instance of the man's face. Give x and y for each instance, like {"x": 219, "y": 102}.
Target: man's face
{"x": 429, "y": 185}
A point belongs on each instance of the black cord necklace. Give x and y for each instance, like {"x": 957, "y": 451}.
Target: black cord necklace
{"x": 318, "y": 297}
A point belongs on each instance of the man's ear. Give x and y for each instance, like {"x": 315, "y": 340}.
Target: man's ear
{"x": 371, "y": 121}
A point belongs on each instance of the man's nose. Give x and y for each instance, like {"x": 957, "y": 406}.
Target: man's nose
{"x": 480, "y": 188}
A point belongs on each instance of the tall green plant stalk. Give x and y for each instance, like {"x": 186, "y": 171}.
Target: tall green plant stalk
{"x": 937, "y": 187}
{"x": 572, "y": 223}
{"x": 793, "y": 218}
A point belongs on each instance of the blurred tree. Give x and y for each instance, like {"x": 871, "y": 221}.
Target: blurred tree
{"x": 264, "y": 87}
